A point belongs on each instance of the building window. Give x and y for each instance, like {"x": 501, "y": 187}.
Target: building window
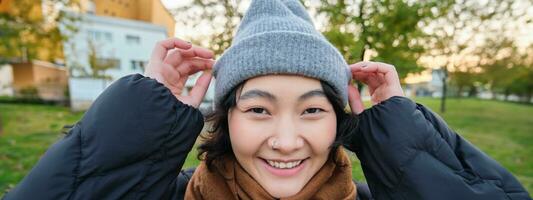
{"x": 108, "y": 37}
{"x": 138, "y": 65}
{"x": 100, "y": 36}
{"x": 133, "y": 40}
{"x": 108, "y": 63}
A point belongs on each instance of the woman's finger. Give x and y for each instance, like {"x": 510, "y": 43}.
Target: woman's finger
{"x": 367, "y": 78}
{"x": 174, "y": 58}
{"x": 191, "y": 66}
{"x": 197, "y": 52}
{"x": 373, "y": 80}
{"x": 355, "y": 101}
{"x": 358, "y": 66}
{"x": 360, "y": 76}
{"x": 388, "y": 70}
{"x": 162, "y": 47}
{"x": 200, "y": 88}
{"x": 171, "y": 79}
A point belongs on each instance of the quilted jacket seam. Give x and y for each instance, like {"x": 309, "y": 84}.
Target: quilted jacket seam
{"x": 75, "y": 182}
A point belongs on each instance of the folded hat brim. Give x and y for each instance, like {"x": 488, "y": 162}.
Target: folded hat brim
{"x": 281, "y": 52}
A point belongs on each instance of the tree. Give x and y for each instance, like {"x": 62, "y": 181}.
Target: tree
{"x": 27, "y": 33}
{"x": 388, "y": 31}
{"x": 508, "y": 69}
{"x": 465, "y": 81}
{"x": 458, "y": 33}
{"x": 99, "y": 65}
{"x": 221, "y": 18}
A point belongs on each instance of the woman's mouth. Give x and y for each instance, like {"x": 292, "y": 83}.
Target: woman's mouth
{"x": 284, "y": 165}
{"x": 284, "y": 168}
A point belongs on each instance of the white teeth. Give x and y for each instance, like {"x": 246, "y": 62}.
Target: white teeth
{"x": 284, "y": 165}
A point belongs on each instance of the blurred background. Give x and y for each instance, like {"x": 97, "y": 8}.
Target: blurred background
{"x": 471, "y": 61}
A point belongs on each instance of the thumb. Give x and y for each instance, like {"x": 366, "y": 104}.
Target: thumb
{"x": 355, "y": 101}
{"x": 200, "y": 88}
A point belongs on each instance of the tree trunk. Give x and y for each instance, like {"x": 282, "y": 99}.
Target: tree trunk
{"x": 529, "y": 97}
{"x": 460, "y": 91}
{"x": 443, "y": 98}
{"x": 365, "y": 42}
{"x": 1, "y": 126}
{"x": 472, "y": 92}
{"x": 506, "y": 95}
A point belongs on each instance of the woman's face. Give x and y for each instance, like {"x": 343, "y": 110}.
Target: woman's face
{"x": 281, "y": 130}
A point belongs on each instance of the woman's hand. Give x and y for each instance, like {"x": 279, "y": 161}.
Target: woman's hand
{"x": 173, "y": 61}
{"x": 382, "y": 81}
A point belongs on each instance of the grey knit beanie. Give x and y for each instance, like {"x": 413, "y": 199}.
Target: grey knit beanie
{"x": 278, "y": 37}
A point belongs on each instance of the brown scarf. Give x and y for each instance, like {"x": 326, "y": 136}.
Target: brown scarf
{"x": 230, "y": 181}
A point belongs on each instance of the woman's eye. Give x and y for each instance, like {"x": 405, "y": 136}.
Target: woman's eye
{"x": 312, "y": 110}
{"x": 258, "y": 110}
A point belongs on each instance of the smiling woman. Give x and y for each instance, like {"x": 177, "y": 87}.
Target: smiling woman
{"x": 279, "y": 128}
{"x": 278, "y": 112}
{"x": 281, "y": 136}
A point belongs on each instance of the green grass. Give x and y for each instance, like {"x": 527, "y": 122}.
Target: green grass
{"x": 28, "y": 130}
{"x": 502, "y": 130}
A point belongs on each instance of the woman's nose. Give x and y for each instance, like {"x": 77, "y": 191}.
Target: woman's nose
{"x": 287, "y": 139}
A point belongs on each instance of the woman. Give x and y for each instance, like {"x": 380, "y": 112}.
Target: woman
{"x": 278, "y": 126}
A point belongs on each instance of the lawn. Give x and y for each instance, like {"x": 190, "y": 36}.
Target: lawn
{"x": 502, "y": 130}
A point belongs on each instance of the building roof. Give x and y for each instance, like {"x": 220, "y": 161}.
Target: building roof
{"x": 122, "y": 22}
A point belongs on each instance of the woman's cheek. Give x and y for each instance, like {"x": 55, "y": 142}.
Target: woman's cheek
{"x": 247, "y": 135}
{"x": 321, "y": 133}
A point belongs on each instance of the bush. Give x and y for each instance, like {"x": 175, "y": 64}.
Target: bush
{"x": 29, "y": 93}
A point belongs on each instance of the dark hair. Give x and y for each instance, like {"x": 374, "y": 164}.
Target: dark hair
{"x": 216, "y": 143}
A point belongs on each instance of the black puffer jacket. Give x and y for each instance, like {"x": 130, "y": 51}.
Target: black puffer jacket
{"x": 133, "y": 141}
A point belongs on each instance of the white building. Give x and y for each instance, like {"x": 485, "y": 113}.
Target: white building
{"x": 6, "y": 80}
{"x": 428, "y": 88}
{"x": 125, "y": 43}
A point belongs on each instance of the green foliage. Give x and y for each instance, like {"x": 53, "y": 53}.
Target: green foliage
{"x": 458, "y": 36}
{"x": 221, "y": 17}
{"x": 389, "y": 31}
{"x": 29, "y": 93}
{"x": 506, "y": 69}
{"x": 98, "y": 65}
{"x": 465, "y": 81}
{"x": 25, "y": 31}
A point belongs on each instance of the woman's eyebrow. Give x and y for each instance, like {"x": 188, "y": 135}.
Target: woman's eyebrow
{"x": 257, "y": 93}
{"x": 312, "y": 93}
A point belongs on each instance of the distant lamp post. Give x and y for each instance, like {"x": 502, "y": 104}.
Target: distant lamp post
{"x": 444, "y": 79}
{"x": 1, "y": 130}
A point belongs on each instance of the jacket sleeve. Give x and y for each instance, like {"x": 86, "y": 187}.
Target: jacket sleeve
{"x": 408, "y": 152}
{"x": 131, "y": 144}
